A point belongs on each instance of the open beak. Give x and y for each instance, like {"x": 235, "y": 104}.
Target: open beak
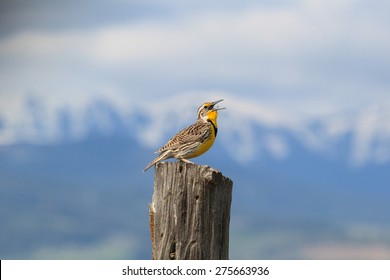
{"x": 217, "y": 108}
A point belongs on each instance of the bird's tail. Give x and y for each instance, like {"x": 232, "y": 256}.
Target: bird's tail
{"x": 162, "y": 156}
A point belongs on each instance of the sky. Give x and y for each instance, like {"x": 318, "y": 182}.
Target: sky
{"x": 282, "y": 64}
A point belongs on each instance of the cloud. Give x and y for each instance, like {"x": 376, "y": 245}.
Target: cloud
{"x": 285, "y": 48}
{"x": 278, "y": 48}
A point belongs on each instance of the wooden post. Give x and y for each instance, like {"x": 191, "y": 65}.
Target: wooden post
{"x": 190, "y": 212}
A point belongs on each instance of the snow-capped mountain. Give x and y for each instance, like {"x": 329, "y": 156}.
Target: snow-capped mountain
{"x": 249, "y": 128}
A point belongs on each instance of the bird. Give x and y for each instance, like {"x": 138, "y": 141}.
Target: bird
{"x": 193, "y": 140}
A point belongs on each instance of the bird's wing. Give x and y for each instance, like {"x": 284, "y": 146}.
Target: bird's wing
{"x": 194, "y": 133}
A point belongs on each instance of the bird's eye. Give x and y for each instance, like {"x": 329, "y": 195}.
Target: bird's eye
{"x": 205, "y": 106}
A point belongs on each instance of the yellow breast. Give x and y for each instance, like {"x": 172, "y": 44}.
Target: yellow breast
{"x": 206, "y": 145}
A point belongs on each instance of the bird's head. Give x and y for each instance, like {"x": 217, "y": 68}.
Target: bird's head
{"x": 208, "y": 111}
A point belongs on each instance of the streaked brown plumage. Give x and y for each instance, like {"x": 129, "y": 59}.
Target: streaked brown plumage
{"x": 193, "y": 140}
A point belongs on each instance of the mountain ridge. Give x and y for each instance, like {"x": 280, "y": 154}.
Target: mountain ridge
{"x": 249, "y": 128}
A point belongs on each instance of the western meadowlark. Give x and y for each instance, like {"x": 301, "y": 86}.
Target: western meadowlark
{"x": 194, "y": 140}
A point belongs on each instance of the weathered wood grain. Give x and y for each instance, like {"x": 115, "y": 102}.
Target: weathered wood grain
{"x": 190, "y": 212}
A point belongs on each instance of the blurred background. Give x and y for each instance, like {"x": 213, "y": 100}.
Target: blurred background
{"x": 90, "y": 89}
